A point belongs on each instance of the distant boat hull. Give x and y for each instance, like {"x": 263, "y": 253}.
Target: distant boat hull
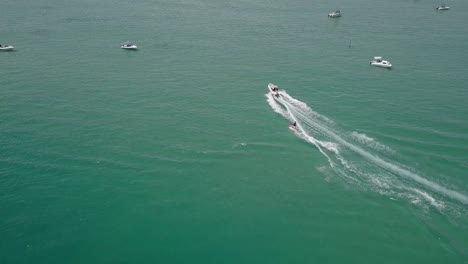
{"x": 381, "y": 64}
{"x": 7, "y": 48}
{"x": 337, "y": 13}
{"x": 129, "y": 47}
{"x": 443, "y": 8}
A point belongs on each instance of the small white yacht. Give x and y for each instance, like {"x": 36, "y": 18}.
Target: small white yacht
{"x": 6, "y": 47}
{"x": 129, "y": 46}
{"x": 443, "y": 7}
{"x": 336, "y": 13}
{"x": 274, "y": 90}
{"x": 379, "y": 62}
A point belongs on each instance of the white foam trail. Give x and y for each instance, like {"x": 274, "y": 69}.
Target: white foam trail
{"x": 271, "y": 101}
{"x": 300, "y": 131}
{"x": 364, "y": 139}
{"x": 297, "y": 108}
{"x": 302, "y": 105}
{"x": 429, "y": 198}
{"x": 403, "y": 172}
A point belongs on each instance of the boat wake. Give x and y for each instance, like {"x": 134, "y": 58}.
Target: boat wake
{"x": 374, "y": 167}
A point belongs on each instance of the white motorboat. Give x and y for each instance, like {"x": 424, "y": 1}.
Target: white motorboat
{"x": 379, "y": 62}
{"x": 6, "y": 47}
{"x": 274, "y": 90}
{"x": 129, "y": 46}
{"x": 443, "y": 7}
{"x": 337, "y": 13}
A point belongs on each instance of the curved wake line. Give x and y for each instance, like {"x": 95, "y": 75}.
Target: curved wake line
{"x": 300, "y": 131}
{"x": 310, "y": 138}
{"x": 371, "y": 142}
{"x": 375, "y": 159}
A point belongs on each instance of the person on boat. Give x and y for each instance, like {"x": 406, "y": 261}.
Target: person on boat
{"x": 294, "y": 125}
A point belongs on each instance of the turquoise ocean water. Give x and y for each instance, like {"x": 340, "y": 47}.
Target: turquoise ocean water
{"x": 175, "y": 153}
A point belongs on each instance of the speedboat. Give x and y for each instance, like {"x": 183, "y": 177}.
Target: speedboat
{"x": 129, "y": 46}
{"x": 379, "y": 62}
{"x": 443, "y": 7}
{"x": 6, "y": 47}
{"x": 337, "y": 13}
{"x": 274, "y": 90}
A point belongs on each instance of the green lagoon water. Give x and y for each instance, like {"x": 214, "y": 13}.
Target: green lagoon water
{"x": 175, "y": 153}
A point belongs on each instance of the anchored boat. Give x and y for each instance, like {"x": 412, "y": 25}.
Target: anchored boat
{"x": 336, "y": 13}
{"x": 443, "y": 7}
{"x": 6, "y": 47}
{"x": 379, "y": 62}
{"x": 129, "y": 46}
